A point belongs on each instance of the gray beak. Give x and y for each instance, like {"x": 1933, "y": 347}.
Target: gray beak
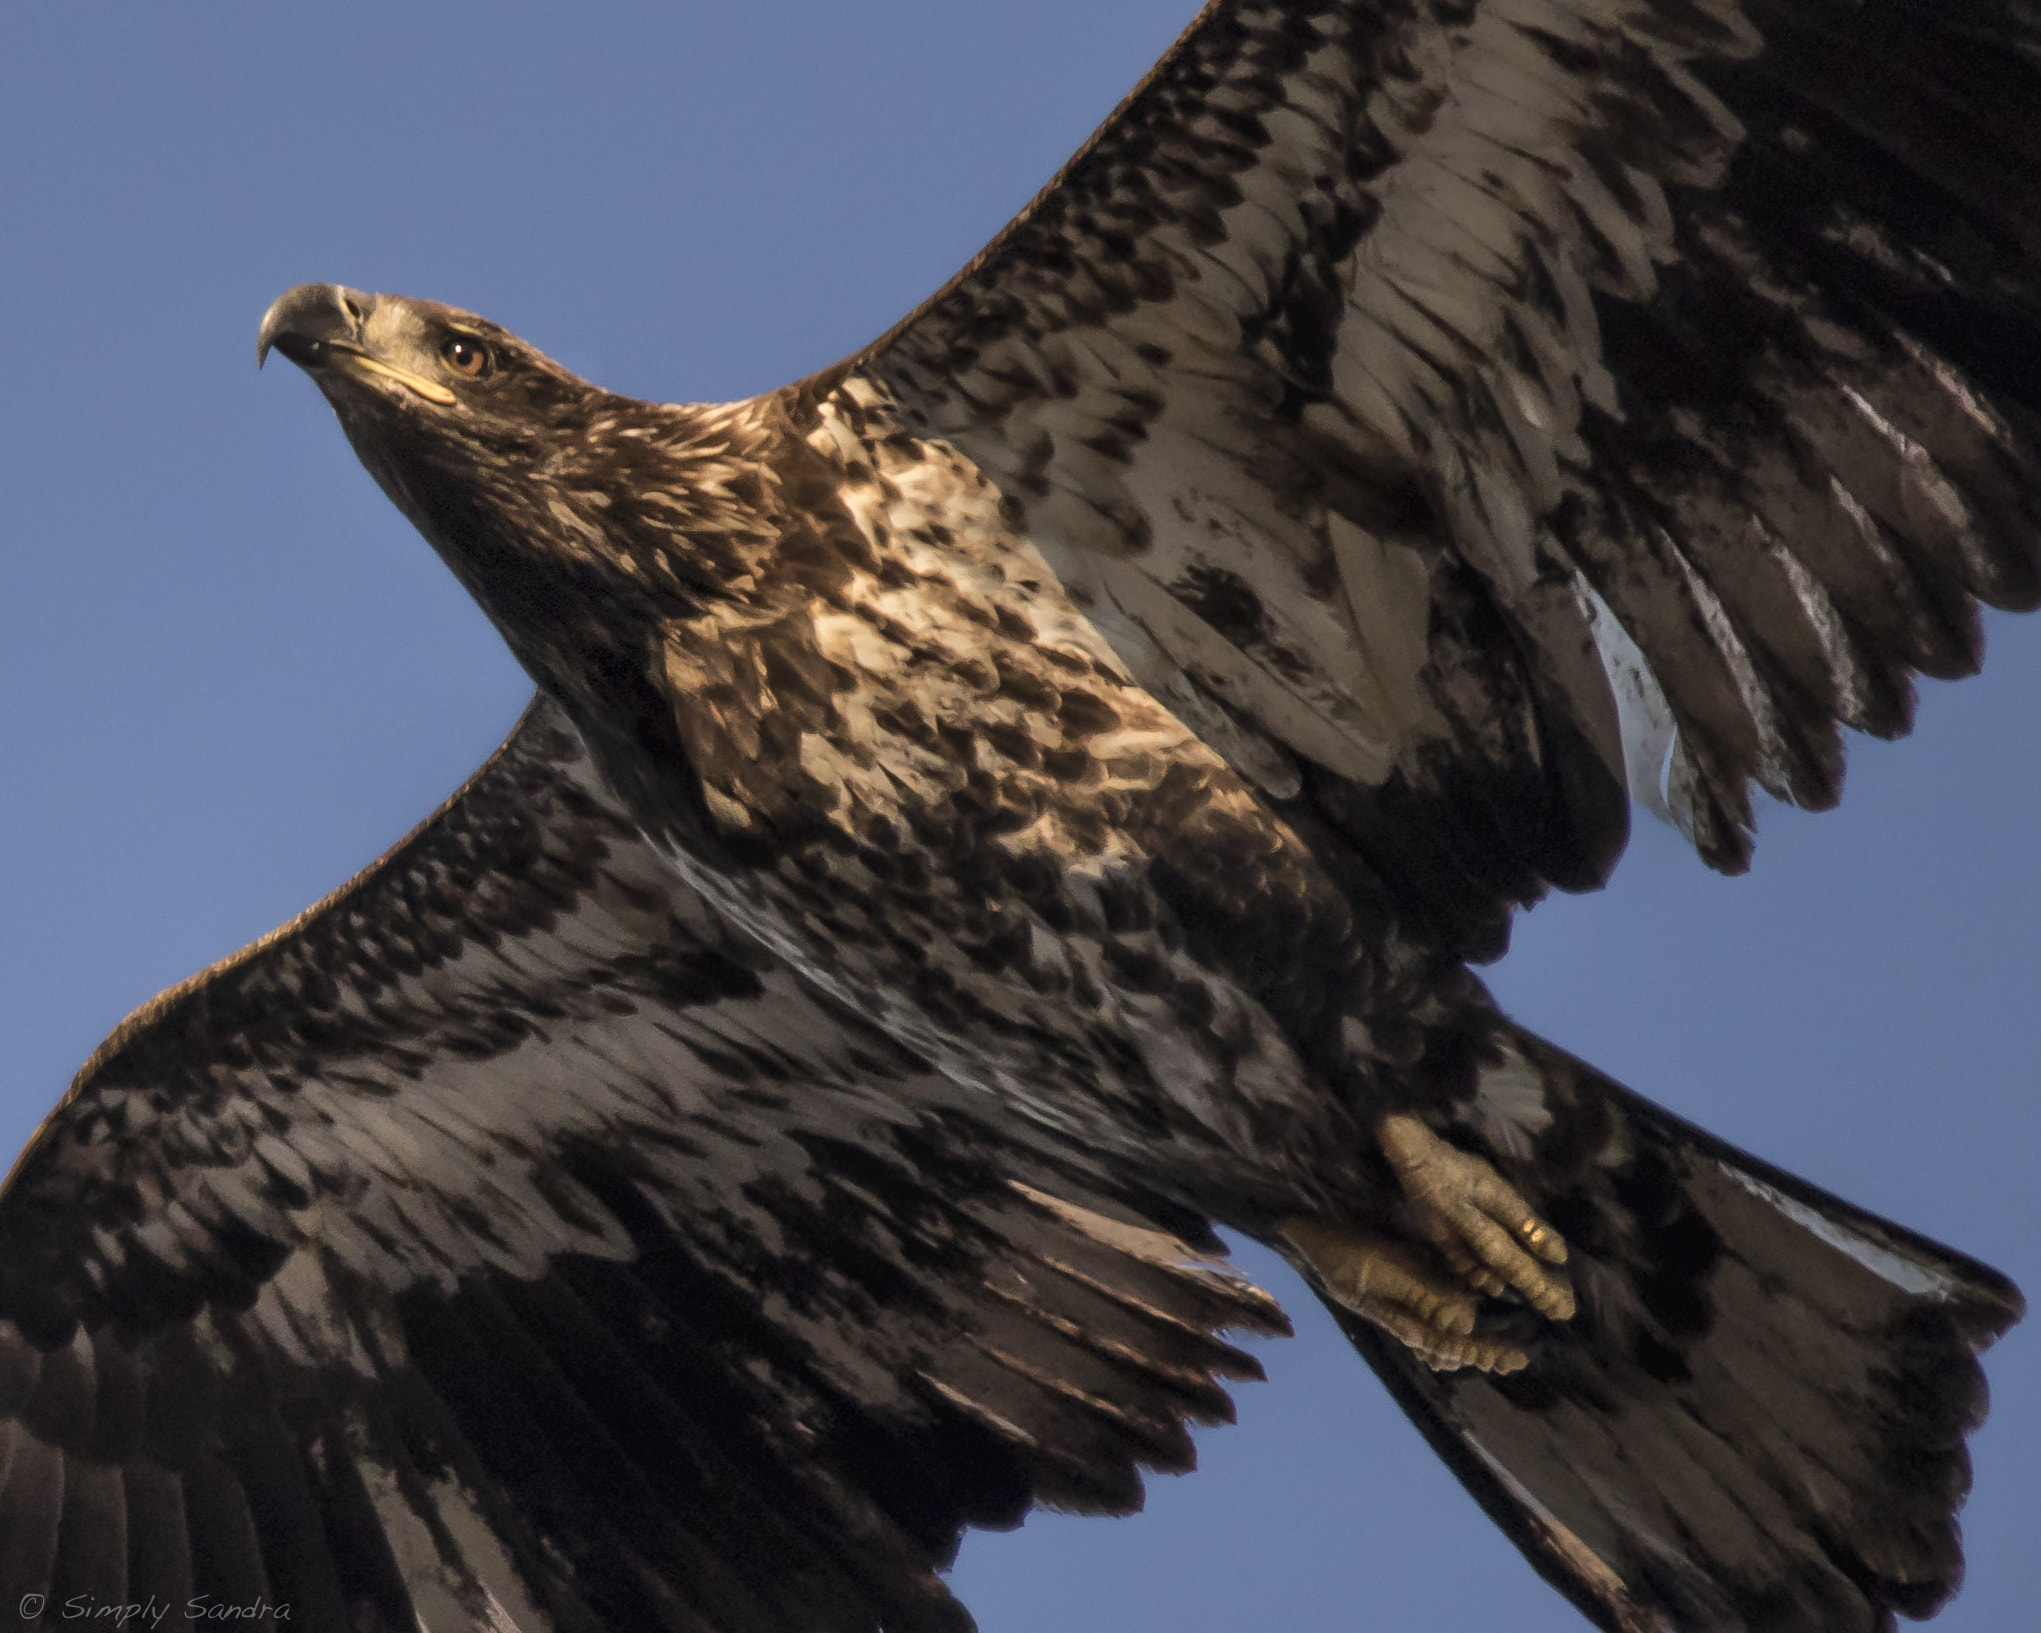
{"x": 304, "y": 321}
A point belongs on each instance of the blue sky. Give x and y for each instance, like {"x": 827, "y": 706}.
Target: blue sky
{"x": 229, "y": 675}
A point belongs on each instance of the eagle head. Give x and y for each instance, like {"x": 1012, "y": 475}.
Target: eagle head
{"x": 452, "y": 414}
{"x": 583, "y": 522}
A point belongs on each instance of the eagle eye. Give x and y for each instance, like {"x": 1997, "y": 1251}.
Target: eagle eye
{"x": 465, "y": 355}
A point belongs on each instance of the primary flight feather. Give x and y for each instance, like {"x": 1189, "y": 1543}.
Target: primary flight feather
{"x": 1025, "y": 794}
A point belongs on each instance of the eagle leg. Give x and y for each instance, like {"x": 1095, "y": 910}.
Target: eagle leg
{"x": 1476, "y": 1219}
{"x": 1391, "y": 1283}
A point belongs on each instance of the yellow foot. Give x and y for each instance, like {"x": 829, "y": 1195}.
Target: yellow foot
{"x": 1390, "y": 1283}
{"x": 1473, "y": 1216}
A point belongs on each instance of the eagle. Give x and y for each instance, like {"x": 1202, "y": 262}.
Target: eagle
{"x": 1005, "y": 804}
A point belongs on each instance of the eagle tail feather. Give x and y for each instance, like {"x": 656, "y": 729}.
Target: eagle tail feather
{"x": 1756, "y": 1418}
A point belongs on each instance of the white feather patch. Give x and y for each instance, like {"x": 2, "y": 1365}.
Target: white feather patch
{"x": 1642, "y": 713}
{"x": 1908, "y": 1275}
{"x": 1509, "y": 1105}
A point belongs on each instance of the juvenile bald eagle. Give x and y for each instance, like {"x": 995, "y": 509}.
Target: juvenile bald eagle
{"x": 1031, "y": 792}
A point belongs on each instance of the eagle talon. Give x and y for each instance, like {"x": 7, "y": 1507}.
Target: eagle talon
{"x": 1389, "y": 1282}
{"x": 1476, "y": 1219}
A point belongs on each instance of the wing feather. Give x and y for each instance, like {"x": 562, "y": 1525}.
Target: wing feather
{"x": 505, "y": 1245}
{"x": 1495, "y": 406}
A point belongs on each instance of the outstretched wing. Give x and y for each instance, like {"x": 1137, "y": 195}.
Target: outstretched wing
{"x": 503, "y": 1244}
{"x": 1462, "y": 412}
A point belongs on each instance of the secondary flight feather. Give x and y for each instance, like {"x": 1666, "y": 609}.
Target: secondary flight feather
{"x": 1026, "y": 794}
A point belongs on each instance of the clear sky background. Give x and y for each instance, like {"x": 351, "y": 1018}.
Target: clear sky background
{"x": 230, "y": 675}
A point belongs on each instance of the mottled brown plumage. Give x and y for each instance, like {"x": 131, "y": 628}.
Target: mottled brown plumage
{"x": 548, "y": 1130}
{"x": 1034, "y": 786}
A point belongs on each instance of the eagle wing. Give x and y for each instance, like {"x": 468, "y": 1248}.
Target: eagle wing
{"x": 1461, "y": 413}
{"x": 503, "y": 1243}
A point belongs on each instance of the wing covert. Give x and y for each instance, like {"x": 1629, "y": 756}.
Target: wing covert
{"x": 1463, "y": 414}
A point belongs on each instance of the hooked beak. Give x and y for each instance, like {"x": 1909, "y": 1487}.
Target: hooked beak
{"x": 304, "y": 321}
{"x": 324, "y": 326}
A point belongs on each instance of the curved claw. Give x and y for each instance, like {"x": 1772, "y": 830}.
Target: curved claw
{"x": 1389, "y": 1282}
{"x": 1487, "y": 1232}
